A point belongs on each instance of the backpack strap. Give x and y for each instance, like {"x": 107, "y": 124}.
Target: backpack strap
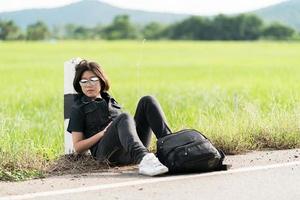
{"x": 221, "y": 166}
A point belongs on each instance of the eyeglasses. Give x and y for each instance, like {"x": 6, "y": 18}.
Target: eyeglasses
{"x": 93, "y": 81}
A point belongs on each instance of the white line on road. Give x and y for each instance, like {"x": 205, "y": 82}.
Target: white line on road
{"x": 147, "y": 181}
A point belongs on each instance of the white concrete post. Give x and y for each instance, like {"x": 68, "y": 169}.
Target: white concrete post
{"x": 69, "y": 73}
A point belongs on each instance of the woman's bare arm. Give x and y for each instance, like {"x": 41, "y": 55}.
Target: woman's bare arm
{"x": 81, "y": 144}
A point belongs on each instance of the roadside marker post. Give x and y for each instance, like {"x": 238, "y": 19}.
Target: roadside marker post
{"x": 69, "y": 93}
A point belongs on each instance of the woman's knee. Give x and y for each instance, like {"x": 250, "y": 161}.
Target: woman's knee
{"x": 147, "y": 99}
{"x": 124, "y": 116}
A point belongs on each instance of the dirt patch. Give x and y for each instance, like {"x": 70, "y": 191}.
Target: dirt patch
{"x": 81, "y": 164}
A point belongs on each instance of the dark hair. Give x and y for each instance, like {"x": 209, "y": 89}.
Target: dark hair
{"x": 85, "y": 65}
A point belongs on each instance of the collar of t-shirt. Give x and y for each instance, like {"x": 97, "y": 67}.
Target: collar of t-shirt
{"x": 85, "y": 99}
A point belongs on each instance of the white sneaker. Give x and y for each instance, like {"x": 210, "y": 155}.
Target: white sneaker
{"x": 151, "y": 166}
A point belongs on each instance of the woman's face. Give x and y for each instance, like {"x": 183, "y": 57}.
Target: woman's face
{"x": 90, "y": 84}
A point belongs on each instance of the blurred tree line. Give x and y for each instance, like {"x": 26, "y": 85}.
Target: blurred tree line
{"x": 221, "y": 27}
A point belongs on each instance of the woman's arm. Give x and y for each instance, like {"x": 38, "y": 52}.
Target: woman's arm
{"x": 81, "y": 145}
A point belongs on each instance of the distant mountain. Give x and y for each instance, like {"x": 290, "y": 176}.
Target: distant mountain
{"x": 287, "y": 12}
{"x": 92, "y": 12}
{"x": 86, "y": 12}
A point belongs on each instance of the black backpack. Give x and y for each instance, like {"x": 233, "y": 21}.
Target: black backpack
{"x": 189, "y": 150}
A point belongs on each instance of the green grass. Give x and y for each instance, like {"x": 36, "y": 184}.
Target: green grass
{"x": 242, "y": 95}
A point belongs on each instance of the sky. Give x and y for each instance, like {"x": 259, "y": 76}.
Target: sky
{"x": 200, "y": 7}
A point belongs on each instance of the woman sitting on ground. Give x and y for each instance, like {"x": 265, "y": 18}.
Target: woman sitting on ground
{"x": 97, "y": 123}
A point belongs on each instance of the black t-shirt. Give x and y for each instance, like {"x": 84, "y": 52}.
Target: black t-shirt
{"x": 92, "y": 116}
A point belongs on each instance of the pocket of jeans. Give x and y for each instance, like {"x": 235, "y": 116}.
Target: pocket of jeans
{"x": 116, "y": 106}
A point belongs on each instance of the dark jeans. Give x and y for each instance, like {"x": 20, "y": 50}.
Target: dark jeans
{"x": 127, "y": 139}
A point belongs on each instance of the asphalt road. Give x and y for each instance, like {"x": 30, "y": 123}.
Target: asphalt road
{"x": 268, "y": 180}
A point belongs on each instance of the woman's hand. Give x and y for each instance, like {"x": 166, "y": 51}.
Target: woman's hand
{"x": 104, "y": 130}
{"x": 81, "y": 144}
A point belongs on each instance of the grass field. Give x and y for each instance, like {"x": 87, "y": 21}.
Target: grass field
{"x": 242, "y": 95}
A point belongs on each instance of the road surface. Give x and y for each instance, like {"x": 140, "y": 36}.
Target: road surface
{"x": 258, "y": 175}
